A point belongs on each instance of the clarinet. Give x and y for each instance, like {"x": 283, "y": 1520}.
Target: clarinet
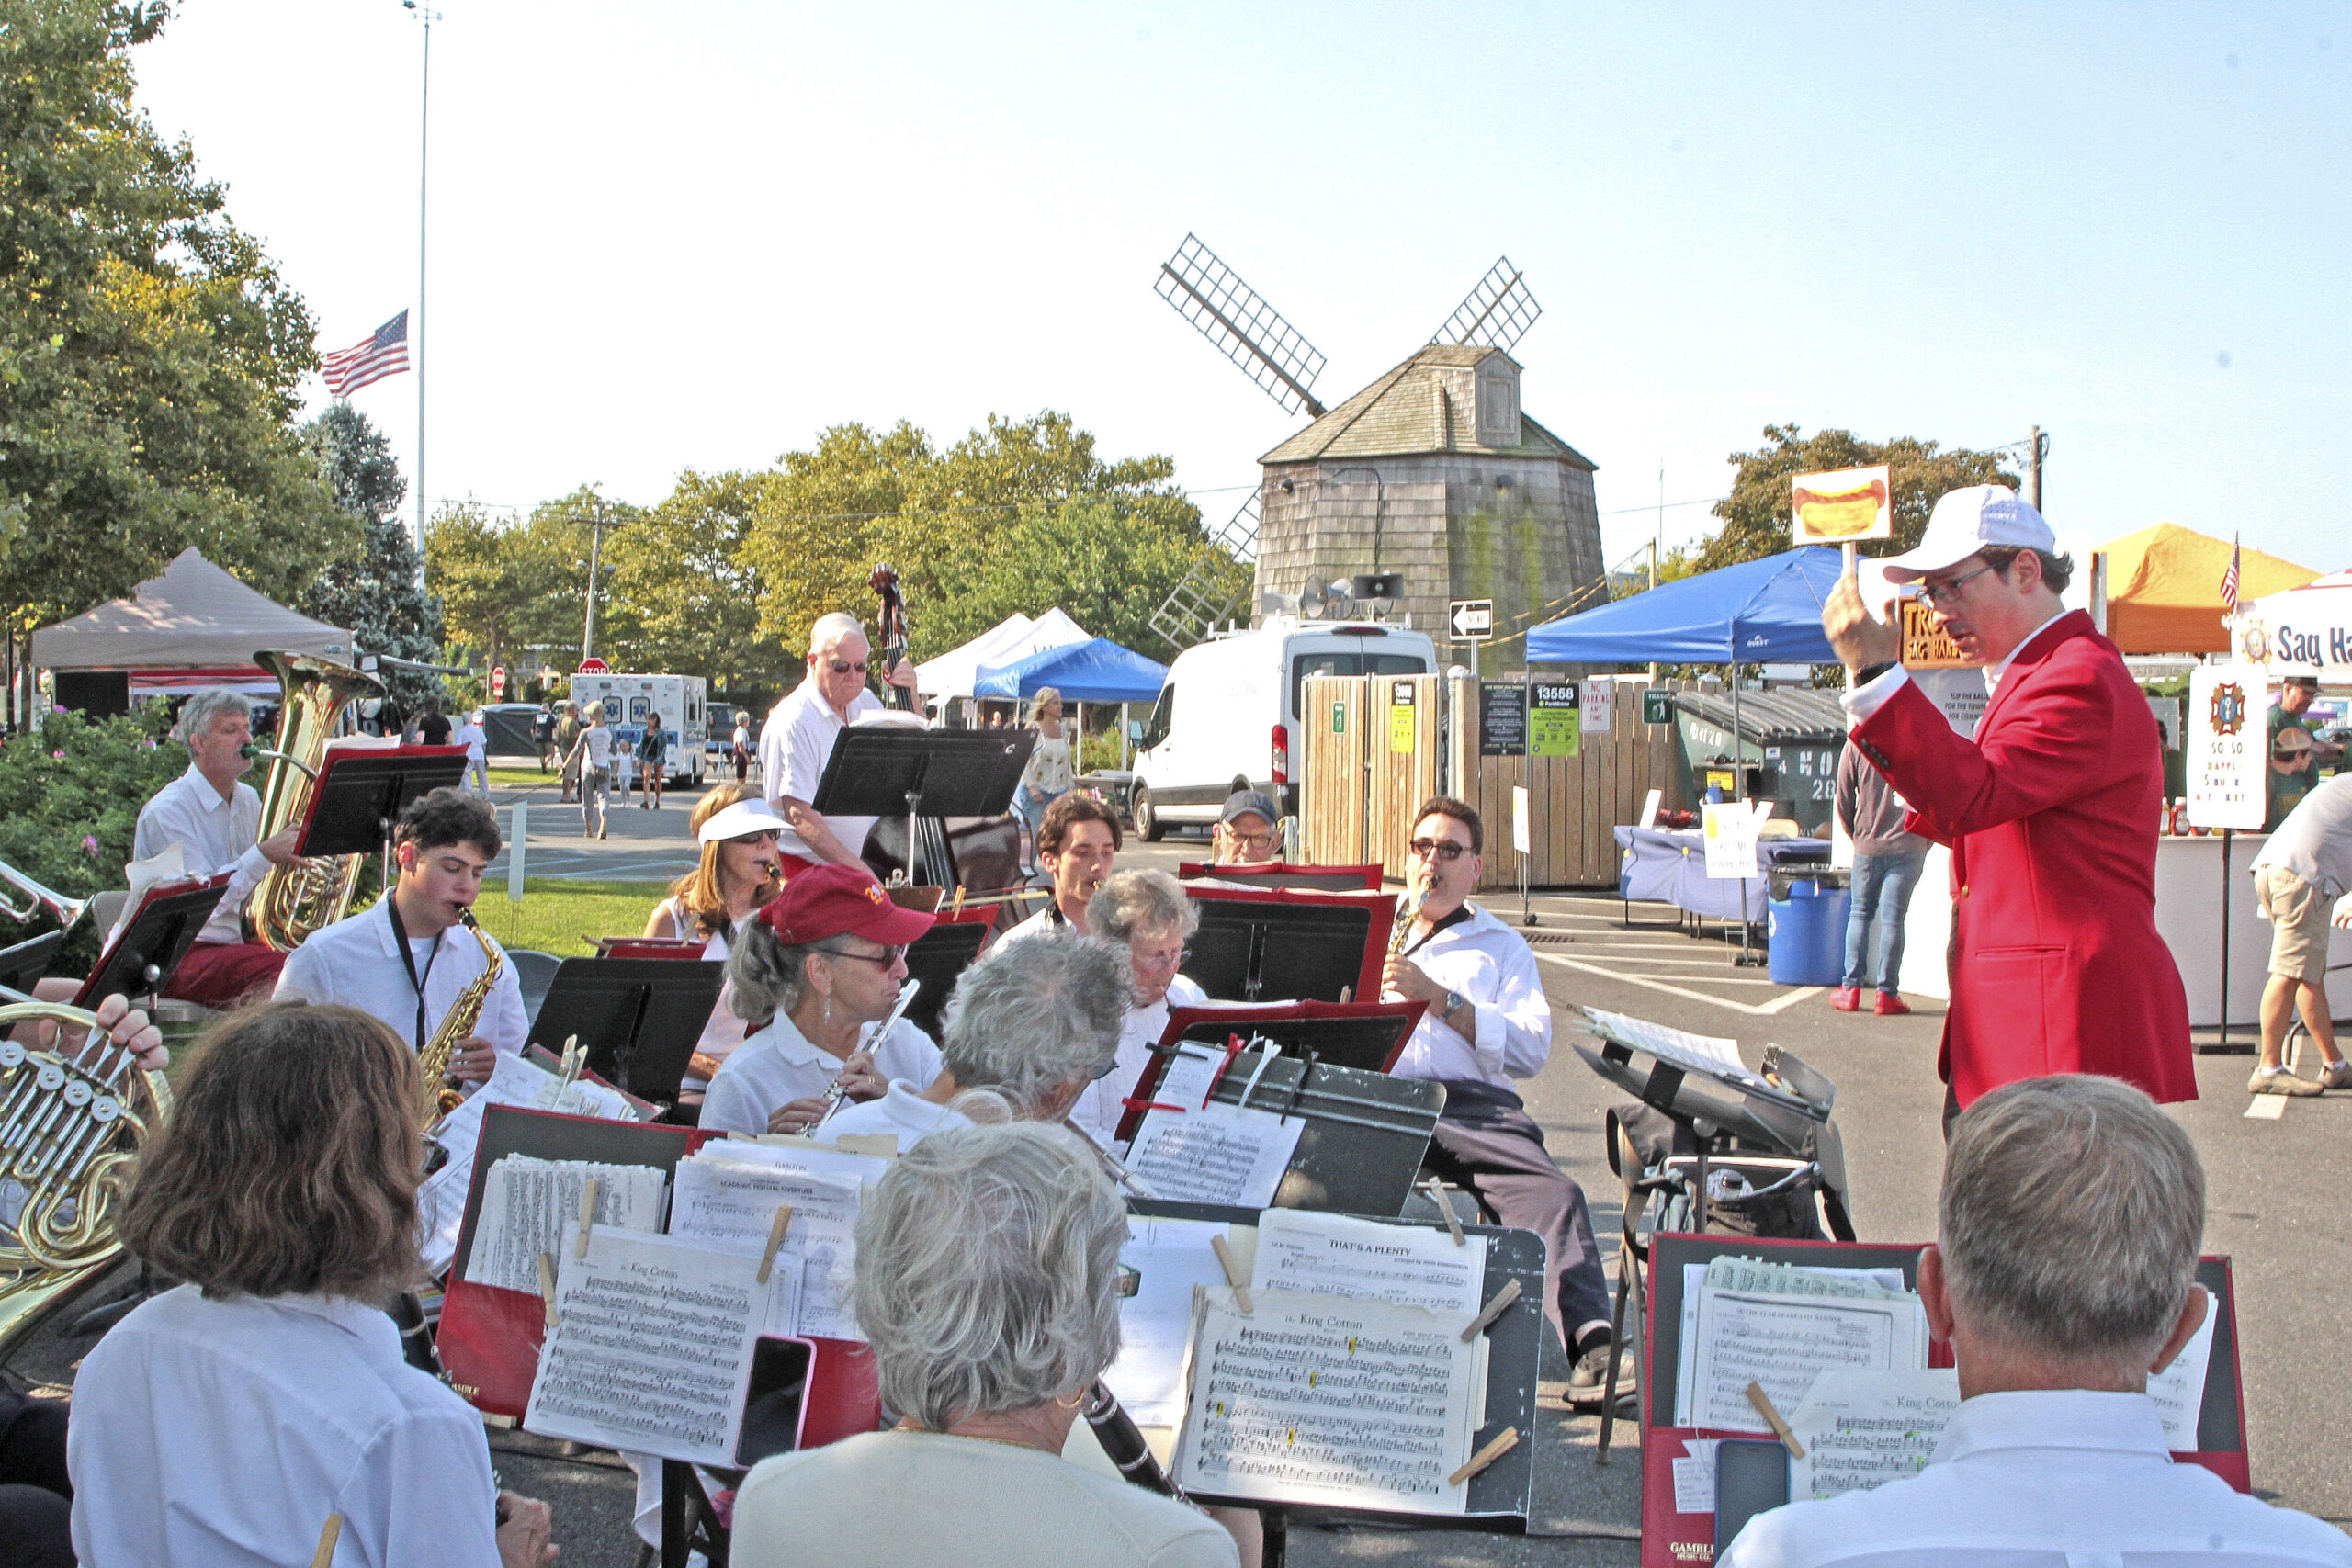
{"x": 1124, "y": 1445}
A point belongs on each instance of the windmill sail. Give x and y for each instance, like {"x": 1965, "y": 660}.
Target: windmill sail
{"x": 1498, "y": 312}
{"x": 1247, "y": 329}
{"x": 1216, "y": 585}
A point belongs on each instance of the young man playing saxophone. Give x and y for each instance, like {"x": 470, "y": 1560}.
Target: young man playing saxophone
{"x": 400, "y": 960}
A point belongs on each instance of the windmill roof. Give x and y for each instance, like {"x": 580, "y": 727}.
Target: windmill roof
{"x": 1403, "y": 413}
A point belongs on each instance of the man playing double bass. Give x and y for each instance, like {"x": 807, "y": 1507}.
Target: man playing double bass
{"x": 799, "y": 737}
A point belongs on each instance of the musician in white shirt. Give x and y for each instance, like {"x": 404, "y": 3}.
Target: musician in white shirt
{"x": 1147, "y": 913}
{"x": 1033, "y": 1024}
{"x": 798, "y": 740}
{"x": 2063, "y": 1275}
{"x": 821, "y": 962}
{"x": 215, "y": 820}
{"x": 1075, "y": 844}
{"x": 1488, "y": 1021}
{"x": 225, "y": 1421}
{"x": 400, "y": 960}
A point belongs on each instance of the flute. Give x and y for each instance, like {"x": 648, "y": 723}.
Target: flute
{"x": 840, "y": 1090}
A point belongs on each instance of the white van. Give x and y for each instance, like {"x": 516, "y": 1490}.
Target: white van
{"x": 1228, "y": 716}
{"x": 627, "y": 700}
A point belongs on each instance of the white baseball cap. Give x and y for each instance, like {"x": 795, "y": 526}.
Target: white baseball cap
{"x": 1963, "y": 523}
{"x": 744, "y": 817}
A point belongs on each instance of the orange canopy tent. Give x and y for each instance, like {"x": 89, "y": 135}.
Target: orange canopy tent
{"x": 2163, "y": 589}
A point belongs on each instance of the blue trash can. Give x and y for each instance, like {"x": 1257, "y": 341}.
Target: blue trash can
{"x": 1806, "y": 929}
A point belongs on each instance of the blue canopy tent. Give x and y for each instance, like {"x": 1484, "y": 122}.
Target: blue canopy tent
{"x": 1096, "y": 671}
{"x": 1759, "y": 612}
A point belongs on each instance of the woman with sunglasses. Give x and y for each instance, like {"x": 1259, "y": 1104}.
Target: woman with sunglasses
{"x": 1145, "y": 913}
{"x": 822, "y": 961}
{"x": 737, "y": 873}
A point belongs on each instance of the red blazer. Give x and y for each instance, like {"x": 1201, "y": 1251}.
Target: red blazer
{"x": 2052, "y": 815}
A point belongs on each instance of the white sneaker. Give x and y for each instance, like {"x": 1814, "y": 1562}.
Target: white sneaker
{"x": 2336, "y": 1074}
{"x": 2279, "y": 1080}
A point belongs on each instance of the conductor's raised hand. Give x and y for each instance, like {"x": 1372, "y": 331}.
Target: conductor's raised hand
{"x": 1861, "y": 639}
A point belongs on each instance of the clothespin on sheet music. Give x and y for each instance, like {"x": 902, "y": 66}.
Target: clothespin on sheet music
{"x": 587, "y": 1215}
{"x": 958, "y": 908}
{"x": 1233, "y": 1046}
{"x": 1491, "y": 1311}
{"x": 776, "y": 1239}
{"x": 1265, "y": 1058}
{"x": 329, "y": 1533}
{"x": 1436, "y": 1190}
{"x": 1233, "y": 1275}
{"x": 546, "y": 1284}
{"x": 1764, "y": 1407}
{"x": 1504, "y": 1441}
{"x": 574, "y": 1058}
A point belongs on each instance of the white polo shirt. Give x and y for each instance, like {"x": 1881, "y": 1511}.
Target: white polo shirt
{"x": 902, "y": 1110}
{"x": 778, "y": 1065}
{"x": 1103, "y": 1103}
{"x": 2046, "y": 1478}
{"x": 215, "y": 833}
{"x": 793, "y": 749}
{"x": 356, "y": 962}
{"x": 225, "y": 1432}
{"x": 1493, "y": 966}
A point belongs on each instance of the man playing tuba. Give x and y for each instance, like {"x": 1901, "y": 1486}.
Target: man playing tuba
{"x": 400, "y": 962}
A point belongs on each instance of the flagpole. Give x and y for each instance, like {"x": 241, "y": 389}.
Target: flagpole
{"x": 423, "y": 147}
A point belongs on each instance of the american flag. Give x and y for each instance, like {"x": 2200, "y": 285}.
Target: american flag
{"x": 382, "y": 353}
{"x": 2230, "y": 580}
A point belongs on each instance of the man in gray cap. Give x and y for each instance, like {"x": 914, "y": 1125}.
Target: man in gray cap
{"x": 2051, "y": 809}
{"x": 1245, "y": 829}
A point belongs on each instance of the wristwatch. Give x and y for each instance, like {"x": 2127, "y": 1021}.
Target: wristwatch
{"x": 1453, "y": 1000}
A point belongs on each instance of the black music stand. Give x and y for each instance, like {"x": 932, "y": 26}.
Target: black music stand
{"x": 360, "y": 792}
{"x": 889, "y": 770}
{"x": 1367, "y": 1036}
{"x": 1249, "y": 950}
{"x": 639, "y": 1018}
{"x": 139, "y": 961}
{"x": 938, "y": 958}
{"x": 27, "y": 961}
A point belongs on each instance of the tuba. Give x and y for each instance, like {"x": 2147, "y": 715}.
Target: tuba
{"x": 292, "y": 901}
{"x": 69, "y": 1118}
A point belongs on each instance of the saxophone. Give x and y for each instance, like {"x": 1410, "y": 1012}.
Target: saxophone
{"x": 439, "y": 1099}
{"x": 292, "y": 901}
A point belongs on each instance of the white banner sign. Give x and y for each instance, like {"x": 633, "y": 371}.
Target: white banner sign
{"x": 1595, "y": 703}
{"x": 1730, "y": 826}
{"x": 2228, "y": 717}
{"x": 1521, "y": 838}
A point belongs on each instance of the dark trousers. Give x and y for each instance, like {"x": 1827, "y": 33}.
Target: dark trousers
{"x": 1487, "y": 1142}
{"x": 35, "y": 1507}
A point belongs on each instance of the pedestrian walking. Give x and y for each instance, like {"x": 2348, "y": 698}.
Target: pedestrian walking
{"x": 1887, "y": 862}
{"x": 653, "y": 761}
{"x": 476, "y": 740}
{"x": 566, "y": 746}
{"x": 742, "y": 745}
{"x": 591, "y": 758}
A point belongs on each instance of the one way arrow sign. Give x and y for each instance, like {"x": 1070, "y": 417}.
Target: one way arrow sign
{"x": 1471, "y": 619}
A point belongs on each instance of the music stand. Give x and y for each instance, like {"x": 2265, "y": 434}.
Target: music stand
{"x": 27, "y": 961}
{"x": 639, "y": 1018}
{"x": 1281, "y": 873}
{"x": 360, "y": 791}
{"x": 893, "y": 771}
{"x": 938, "y": 958}
{"x": 1288, "y": 944}
{"x": 1367, "y": 1036}
{"x": 139, "y": 960}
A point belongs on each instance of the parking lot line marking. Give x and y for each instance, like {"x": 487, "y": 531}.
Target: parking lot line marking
{"x": 1766, "y": 1009}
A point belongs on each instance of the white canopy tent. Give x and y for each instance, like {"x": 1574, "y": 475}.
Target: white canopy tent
{"x": 195, "y": 626}
{"x": 951, "y": 674}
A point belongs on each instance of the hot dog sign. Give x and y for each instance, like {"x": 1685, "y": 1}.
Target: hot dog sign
{"x": 1842, "y": 507}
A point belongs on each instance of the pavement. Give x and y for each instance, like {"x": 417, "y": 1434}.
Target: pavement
{"x": 2276, "y": 1195}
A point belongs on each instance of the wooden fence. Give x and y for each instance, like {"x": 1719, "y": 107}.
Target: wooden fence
{"x": 1374, "y": 746}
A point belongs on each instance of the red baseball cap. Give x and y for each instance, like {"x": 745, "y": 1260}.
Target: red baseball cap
{"x": 837, "y": 901}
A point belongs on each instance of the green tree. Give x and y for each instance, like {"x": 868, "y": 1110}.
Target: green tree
{"x": 149, "y": 353}
{"x": 507, "y": 587}
{"x": 373, "y": 591}
{"x": 682, "y": 596}
{"x": 1755, "y": 516}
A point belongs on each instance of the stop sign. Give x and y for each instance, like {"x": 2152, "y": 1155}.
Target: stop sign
{"x": 498, "y": 681}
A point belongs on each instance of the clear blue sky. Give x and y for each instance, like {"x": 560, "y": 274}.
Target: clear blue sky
{"x": 694, "y": 234}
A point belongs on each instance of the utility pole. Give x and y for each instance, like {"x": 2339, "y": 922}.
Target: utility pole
{"x": 595, "y": 555}
{"x": 2036, "y": 445}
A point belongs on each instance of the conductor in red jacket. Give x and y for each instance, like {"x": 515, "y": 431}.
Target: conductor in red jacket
{"x": 2051, "y": 812}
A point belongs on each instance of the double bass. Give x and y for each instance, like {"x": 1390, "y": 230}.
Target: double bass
{"x": 980, "y": 855}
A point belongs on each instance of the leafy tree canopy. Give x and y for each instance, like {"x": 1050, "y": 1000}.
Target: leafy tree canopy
{"x": 373, "y": 589}
{"x": 149, "y": 353}
{"x": 1756, "y": 521}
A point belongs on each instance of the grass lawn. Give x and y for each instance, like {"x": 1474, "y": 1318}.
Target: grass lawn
{"x": 562, "y": 917}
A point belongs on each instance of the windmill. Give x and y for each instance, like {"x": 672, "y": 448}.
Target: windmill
{"x": 1406, "y": 422}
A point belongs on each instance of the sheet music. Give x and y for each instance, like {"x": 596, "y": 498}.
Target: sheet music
{"x": 1169, "y": 1256}
{"x": 1862, "y": 1430}
{"x": 800, "y": 1154}
{"x": 1316, "y": 1400}
{"x": 1336, "y": 1255}
{"x": 166, "y": 866}
{"x": 2179, "y": 1389}
{"x": 1785, "y": 1342}
{"x": 530, "y": 1206}
{"x": 652, "y": 1345}
{"x": 441, "y": 1200}
{"x": 1190, "y": 1075}
{"x": 1725, "y": 1272}
{"x": 1708, "y": 1054}
{"x": 1217, "y": 1155}
{"x": 734, "y": 1203}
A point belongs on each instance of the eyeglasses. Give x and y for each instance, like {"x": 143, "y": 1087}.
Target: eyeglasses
{"x": 1250, "y": 840}
{"x": 886, "y": 957}
{"x": 842, "y": 667}
{"x": 1948, "y": 590}
{"x": 764, "y": 836}
{"x": 1445, "y": 849}
{"x": 1162, "y": 959}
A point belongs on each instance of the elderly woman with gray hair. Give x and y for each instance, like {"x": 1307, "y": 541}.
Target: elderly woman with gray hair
{"x": 1147, "y": 913}
{"x": 1032, "y": 1024}
{"x": 988, "y": 1286}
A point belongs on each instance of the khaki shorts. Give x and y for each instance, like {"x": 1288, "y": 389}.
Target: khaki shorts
{"x": 2297, "y": 914}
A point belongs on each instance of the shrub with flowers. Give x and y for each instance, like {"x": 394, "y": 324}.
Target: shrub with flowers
{"x": 70, "y": 794}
